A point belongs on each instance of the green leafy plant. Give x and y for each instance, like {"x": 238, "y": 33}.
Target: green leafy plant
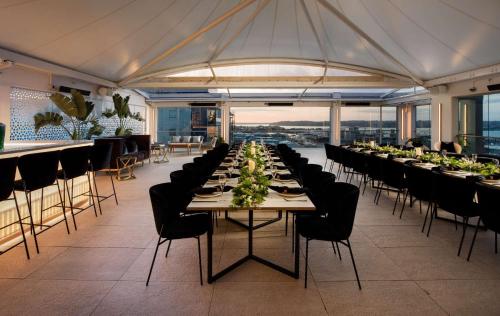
{"x": 252, "y": 188}
{"x": 77, "y": 111}
{"x": 122, "y": 115}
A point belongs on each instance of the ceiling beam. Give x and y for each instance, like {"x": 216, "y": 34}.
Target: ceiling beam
{"x": 302, "y": 82}
{"x": 358, "y": 30}
{"x": 464, "y": 76}
{"x": 240, "y": 29}
{"x": 234, "y": 10}
{"x": 48, "y": 67}
{"x": 276, "y": 60}
{"x": 317, "y": 37}
{"x": 389, "y": 93}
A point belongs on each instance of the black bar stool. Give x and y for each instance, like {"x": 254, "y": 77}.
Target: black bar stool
{"x": 75, "y": 163}
{"x": 100, "y": 160}
{"x": 39, "y": 171}
{"x": 8, "y": 175}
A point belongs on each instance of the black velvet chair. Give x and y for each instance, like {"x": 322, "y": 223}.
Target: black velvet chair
{"x": 39, "y": 171}
{"x": 100, "y": 161}
{"x": 454, "y": 195}
{"x": 330, "y": 156}
{"x": 170, "y": 225}
{"x": 337, "y": 226}
{"x": 338, "y": 158}
{"x": 488, "y": 210}
{"x": 393, "y": 178}
{"x": 8, "y": 174}
{"x": 374, "y": 172}
{"x": 75, "y": 164}
{"x": 418, "y": 181}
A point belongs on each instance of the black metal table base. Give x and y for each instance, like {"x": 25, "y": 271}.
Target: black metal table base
{"x": 265, "y": 223}
{"x": 213, "y": 277}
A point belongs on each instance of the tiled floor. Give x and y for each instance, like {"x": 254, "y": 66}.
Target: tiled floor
{"x": 102, "y": 267}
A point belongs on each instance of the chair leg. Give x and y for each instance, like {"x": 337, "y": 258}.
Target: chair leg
{"x": 404, "y": 202}
{"x": 307, "y": 262}
{"x": 326, "y": 161}
{"x": 92, "y": 194}
{"x": 63, "y": 206}
{"x": 465, "y": 224}
{"x": 70, "y": 198}
{"x": 21, "y": 225}
{"x": 334, "y": 250}
{"x": 41, "y": 211}
{"x": 496, "y": 242}
{"x": 114, "y": 191}
{"x": 154, "y": 256}
{"x": 32, "y": 229}
{"x": 396, "y": 203}
{"x": 433, "y": 213}
{"x": 286, "y": 224}
{"x": 353, "y": 263}
{"x": 338, "y": 250}
{"x": 293, "y": 232}
{"x": 456, "y": 223}
{"x": 168, "y": 247}
{"x": 199, "y": 260}
{"x": 474, "y": 239}
{"x": 97, "y": 192}
{"x": 426, "y": 215}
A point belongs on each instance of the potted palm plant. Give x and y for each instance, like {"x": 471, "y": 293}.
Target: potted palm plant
{"x": 77, "y": 113}
{"x": 122, "y": 115}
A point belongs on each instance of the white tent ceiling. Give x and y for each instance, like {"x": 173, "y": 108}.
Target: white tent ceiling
{"x": 115, "y": 39}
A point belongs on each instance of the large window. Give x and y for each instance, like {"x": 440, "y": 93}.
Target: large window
{"x": 423, "y": 124}
{"x": 369, "y": 123}
{"x": 188, "y": 121}
{"x": 479, "y": 123}
{"x": 295, "y": 126}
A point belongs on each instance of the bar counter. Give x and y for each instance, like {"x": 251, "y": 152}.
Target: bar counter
{"x": 19, "y": 148}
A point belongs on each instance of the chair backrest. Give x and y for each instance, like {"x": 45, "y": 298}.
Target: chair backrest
{"x": 341, "y": 204}
{"x": 165, "y": 210}
{"x": 329, "y": 151}
{"x": 310, "y": 174}
{"x": 419, "y": 181}
{"x": 453, "y": 194}
{"x": 374, "y": 167}
{"x": 488, "y": 206}
{"x": 39, "y": 170}
{"x": 75, "y": 161}
{"x": 195, "y": 173}
{"x": 482, "y": 159}
{"x": 100, "y": 156}
{"x": 393, "y": 173}
{"x": 8, "y": 176}
{"x": 359, "y": 162}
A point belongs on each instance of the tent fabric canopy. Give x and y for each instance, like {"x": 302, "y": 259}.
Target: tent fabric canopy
{"x": 115, "y": 39}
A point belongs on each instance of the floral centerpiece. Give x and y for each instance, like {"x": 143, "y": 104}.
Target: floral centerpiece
{"x": 253, "y": 184}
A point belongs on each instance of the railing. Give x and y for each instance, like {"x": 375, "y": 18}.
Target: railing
{"x": 479, "y": 144}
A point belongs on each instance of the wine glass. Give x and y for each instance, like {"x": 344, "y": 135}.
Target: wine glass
{"x": 222, "y": 182}
{"x": 473, "y": 158}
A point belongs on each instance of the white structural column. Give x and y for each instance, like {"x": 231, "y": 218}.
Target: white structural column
{"x": 444, "y": 116}
{"x": 335, "y": 112}
{"x": 226, "y": 111}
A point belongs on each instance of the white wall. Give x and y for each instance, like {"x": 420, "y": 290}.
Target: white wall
{"x": 446, "y": 98}
{"x": 44, "y": 81}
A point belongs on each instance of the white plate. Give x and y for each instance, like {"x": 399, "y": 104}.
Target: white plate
{"x": 207, "y": 196}
{"x": 291, "y": 195}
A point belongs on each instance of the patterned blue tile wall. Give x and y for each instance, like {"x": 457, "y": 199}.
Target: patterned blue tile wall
{"x": 25, "y": 103}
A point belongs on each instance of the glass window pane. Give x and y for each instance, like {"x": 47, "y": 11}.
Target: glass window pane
{"x": 423, "y": 124}
{"x": 295, "y": 126}
{"x": 389, "y": 131}
{"x": 359, "y": 124}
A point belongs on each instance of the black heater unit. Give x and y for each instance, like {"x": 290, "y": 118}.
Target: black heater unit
{"x": 65, "y": 89}
{"x": 493, "y": 87}
{"x": 279, "y": 104}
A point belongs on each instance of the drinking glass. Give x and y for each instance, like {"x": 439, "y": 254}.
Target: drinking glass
{"x": 473, "y": 158}
{"x": 222, "y": 182}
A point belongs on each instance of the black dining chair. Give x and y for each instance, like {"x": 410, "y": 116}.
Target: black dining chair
{"x": 330, "y": 157}
{"x": 374, "y": 173}
{"x": 100, "y": 161}
{"x": 8, "y": 175}
{"x": 170, "y": 225}
{"x": 39, "y": 171}
{"x": 454, "y": 195}
{"x": 393, "y": 179}
{"x": 75, "y": 164}
{"x": 418, "y": 181}
{"x": 337, "y": 226}
{"x": 488, "y": 212}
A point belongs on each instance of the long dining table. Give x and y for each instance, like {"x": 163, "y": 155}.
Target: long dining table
{"x": 272, "y": 203}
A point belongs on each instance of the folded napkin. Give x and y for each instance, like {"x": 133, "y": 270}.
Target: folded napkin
{"x": 474, "y": 178}
{"x": 234, "y": 175}
{"x": 285, "y": 189}
{"x": 494, "y": 177}
{"x": 284, "y": 176}
{"x": 227, "y": 188}
{"x": 228, "y": 160}
{"x": 222, "y": 168}
{"x": 209, "y": 190}
{"x": 213, "y": 178}
{"x": 281, "y": 167}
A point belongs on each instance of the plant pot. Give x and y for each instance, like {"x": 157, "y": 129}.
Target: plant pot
{"x": 2, "y": 135}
